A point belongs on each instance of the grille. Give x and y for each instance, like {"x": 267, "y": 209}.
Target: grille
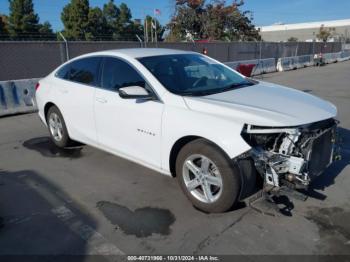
{"x": 321, "y": 153}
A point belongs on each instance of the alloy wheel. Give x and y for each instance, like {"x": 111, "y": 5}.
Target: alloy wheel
{"x": 202, "y": 178}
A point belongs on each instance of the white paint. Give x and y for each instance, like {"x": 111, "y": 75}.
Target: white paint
{"x": 93, "y": 238}
{"x": 145, "y": 132}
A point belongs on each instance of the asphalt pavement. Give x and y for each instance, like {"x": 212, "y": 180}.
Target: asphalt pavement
{"x": 85, "y": 201}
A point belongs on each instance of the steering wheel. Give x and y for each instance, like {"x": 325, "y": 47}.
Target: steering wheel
{"x": 199, "y": 80}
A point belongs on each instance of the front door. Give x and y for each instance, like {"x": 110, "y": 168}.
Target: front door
{"x": 130, "y": 127}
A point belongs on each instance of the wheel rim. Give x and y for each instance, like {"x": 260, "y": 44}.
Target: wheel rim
{"x": 202, "y": 178}
{"x": 56, "y": 127}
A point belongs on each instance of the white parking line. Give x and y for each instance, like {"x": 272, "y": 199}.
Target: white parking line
{"x": 94, "y": 240}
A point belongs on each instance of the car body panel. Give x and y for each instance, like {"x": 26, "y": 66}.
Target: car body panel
{"x": 146, "y": 131}
{"x": 180, "y": 122}
{"x": 265, "y": 104}
{"x": 134, "y": 126}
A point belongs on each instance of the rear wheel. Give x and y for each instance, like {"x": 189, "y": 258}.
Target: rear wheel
{"x": 207, "y": 176}
{"x": 57, "y": 127}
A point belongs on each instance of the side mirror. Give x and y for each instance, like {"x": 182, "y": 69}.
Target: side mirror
{"x": 131, "y": 92}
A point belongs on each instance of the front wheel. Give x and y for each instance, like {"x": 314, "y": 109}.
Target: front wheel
{"x": 207, "y": 176}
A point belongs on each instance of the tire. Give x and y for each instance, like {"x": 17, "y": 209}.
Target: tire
{"x": 60, "y": 139}
{"x": 203, "y": 154}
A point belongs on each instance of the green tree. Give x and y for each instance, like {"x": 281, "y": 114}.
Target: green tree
{"x": 23, "y": 22}
{"x": 111, "y": 13}
{"x": 97, "y": 29}
{"x": 3, "y": 27}
{"x": 124, "y": 17}
{"x": 325, "y": 33}
{"x": 75, "y": 18}
{"x": 46, "y": 32}
{"x": 124, "y": 26}
{"x": 119, "y": 23}
{"x": 215, "y": 20}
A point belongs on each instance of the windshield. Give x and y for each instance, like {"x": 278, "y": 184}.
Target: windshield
{"x": 192, "y": 74}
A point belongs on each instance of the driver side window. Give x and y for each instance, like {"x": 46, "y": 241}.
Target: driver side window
{"x": 117, "y": 73}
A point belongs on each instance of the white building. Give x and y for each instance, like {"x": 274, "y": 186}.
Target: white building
{"x": 305, "y": 31}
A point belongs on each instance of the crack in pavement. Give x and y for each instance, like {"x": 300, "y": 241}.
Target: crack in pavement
{"x": 209, "y": 239}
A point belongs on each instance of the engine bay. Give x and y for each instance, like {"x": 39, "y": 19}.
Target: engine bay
{"x": 292, "y": 156}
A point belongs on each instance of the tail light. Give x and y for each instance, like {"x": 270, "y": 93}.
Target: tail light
{"x": 37, "y": 86}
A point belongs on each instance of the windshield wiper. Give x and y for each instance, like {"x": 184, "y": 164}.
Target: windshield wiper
{"x": 235, "y": 85}
{"x": 215, "y": 91}
{"x": 199, "y": 93}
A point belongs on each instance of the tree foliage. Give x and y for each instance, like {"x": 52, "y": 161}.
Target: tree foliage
{"x": 97, "y": 25}
{"x": 75, "y": 18}
{"x": 23, "y": 22}
{"x": 212, "y": 20}
{"x": 325, "y": 33}
{"x": 111, "y": 13}
{"x": 81, "y": 22}
{"x": 3, "y": 27}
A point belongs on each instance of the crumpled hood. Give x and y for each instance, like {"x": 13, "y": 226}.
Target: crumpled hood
{"x": 265, "y": 104}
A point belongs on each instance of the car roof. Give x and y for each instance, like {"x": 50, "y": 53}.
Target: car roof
{"x": 141, "y": 52}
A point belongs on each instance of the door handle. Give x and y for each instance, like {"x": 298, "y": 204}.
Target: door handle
{"x": 101, "y": 100}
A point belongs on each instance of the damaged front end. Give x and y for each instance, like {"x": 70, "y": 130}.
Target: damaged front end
{"x": 292, "y": 156}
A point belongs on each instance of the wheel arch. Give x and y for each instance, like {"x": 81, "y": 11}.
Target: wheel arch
{"x": 47, "y": 106}
{"x": 179, "y": 144}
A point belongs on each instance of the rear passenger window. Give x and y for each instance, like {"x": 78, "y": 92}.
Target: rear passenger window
{"x": 63, "y": 72}
{"x": 117, "y": 73}
{"x": 83, "y": 71}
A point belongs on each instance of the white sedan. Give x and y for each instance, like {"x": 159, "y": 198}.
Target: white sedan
{"x": 189, "y": 116}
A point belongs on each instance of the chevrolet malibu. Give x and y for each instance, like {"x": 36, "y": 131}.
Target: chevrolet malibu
{"x": 189, "y": 116}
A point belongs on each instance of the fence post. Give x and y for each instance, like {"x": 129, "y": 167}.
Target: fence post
{"x": 140, "y": 40}
{"x": 66, "y": 42}
{"x": 296, "y": 49}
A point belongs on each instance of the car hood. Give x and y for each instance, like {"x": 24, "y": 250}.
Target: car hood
{"x": 265, "y": 104}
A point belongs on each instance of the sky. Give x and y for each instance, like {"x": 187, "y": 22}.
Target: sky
{"x": 265, "y": 12}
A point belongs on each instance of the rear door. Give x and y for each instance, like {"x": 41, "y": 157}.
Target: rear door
{"x": 76, "y": 95}
{"x": 130, "y": 127}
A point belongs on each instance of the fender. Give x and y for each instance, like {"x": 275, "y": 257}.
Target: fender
{"x": 222, "y": 132}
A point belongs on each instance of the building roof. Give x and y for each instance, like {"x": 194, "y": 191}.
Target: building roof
{"x": 309, "y": 25}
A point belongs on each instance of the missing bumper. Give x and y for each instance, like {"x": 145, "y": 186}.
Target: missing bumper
{"x": 292, "y": 156}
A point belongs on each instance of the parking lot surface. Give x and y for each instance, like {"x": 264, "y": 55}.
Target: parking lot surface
{"x": 85, "y": 201}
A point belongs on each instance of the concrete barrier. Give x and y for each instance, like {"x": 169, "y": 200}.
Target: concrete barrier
{"x": 285, "y": 64}
{"x": 344, "y": 55}
{"x": 294, "y": 62}
{"x": 17, "y": 96}
{"x": 262, "y": 66}
{"x": 305, "y": 61}
{"x": 331, "y": 57}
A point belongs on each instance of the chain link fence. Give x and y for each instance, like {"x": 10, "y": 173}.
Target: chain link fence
{"x": 32, "y": 59}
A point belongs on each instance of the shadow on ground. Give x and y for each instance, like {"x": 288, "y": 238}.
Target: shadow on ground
{"x": 47, "y": 148}
{"x": 38, "y": 218}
